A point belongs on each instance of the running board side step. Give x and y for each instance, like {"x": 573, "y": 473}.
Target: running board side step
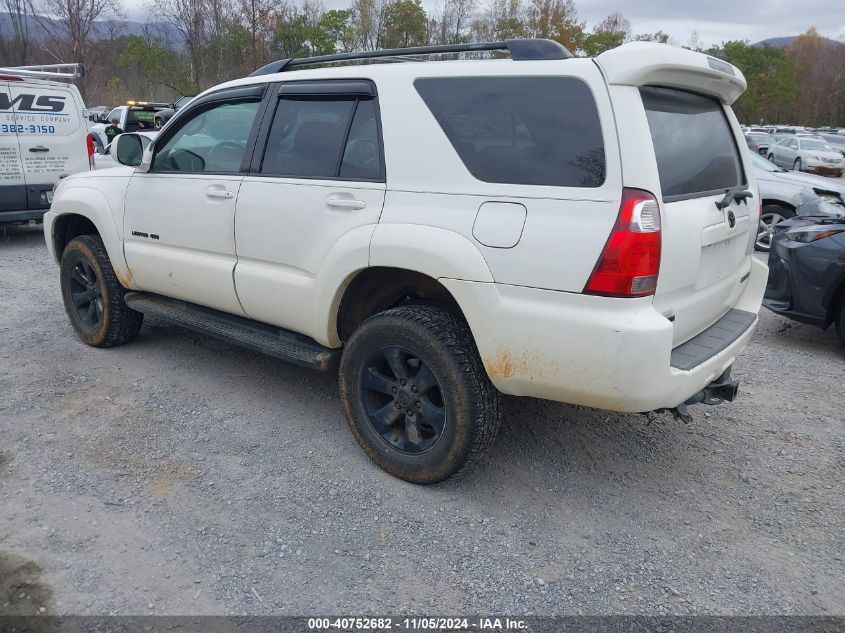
{"x": 259, "y": 337}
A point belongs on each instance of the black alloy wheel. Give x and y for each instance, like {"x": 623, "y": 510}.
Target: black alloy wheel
{"x": 86, "y": 294}
{"x": 403, "y": 400}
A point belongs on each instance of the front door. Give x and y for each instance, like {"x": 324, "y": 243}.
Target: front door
{"x": 179, "y": 233}
{"x": 318, "y": 180}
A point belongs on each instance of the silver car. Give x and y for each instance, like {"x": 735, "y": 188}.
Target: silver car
{"x": 783, "y": 192}
{"x": 807, "y": 153}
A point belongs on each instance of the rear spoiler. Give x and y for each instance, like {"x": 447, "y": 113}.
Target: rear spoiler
{"x": 651, "y": 64}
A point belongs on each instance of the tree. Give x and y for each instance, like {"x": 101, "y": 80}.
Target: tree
{"x": 556, "y": 20}
{"x": 404, "y": 24}
{"x": 16, "y": 49}
{"x": 188, "y": 17}
{"x": 611, "y": 32}
{"x": 70, "y": 26}
{"x": 454, "y": 24}
{"x": 770, "y": 76}
{"x": 157, "y": 64}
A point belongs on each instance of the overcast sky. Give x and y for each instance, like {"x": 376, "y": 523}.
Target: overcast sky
{"x": 714, "y": 20}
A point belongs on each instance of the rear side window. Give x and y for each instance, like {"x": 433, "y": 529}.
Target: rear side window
{"x": 521, "y": 130}
{"x": 695, "y": 148}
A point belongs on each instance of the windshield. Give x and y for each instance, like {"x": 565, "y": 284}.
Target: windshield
{"x": 762, "y": 163}
{"x": 814, "y": 144}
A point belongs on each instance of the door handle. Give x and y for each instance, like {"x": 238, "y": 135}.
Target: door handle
{"x": 336, "y": 202}
{"x": 39, "y": 148}
{"x": 220, "y": 193}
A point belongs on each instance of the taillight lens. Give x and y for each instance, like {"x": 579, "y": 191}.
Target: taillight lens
{"x": 90, "y": 151}
{"x": 630, "y": 261}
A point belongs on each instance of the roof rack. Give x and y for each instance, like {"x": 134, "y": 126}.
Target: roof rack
{"x": 64, "y": 72}
{"x": 519, "y": 49}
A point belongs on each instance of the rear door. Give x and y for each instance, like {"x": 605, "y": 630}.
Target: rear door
{"x": 12, "y": 186}
{"x": 51, "y": 134}
{"x": 706, "y": 250}
{"x": 319, "y": 177}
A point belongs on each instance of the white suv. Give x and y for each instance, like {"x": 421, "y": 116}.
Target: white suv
{"x": 573, "y": 229}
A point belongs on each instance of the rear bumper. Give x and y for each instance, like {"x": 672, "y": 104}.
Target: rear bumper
{"x": 611, "y": 354}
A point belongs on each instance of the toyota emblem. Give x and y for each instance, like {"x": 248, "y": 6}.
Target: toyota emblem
{"x": 731, "y": 219}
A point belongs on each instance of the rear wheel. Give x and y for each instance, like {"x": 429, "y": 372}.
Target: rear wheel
{"x": 416, "y": 395}
{"x": 772, "y": 215}
{"x": 797, "y": 164}
{"x": 93, "y": 296}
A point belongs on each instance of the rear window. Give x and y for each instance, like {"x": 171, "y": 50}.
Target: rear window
{"x": 520, "y": 130}
{"x": 693, "y": 142}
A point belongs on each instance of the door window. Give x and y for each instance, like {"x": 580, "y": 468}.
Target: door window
{"x": 213, "y": 141}
{"x": 327, "y": 138}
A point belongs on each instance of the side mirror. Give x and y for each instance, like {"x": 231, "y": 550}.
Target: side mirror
{"x": 128, "y": 150}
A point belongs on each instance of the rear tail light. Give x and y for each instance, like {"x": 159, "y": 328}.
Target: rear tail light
{"x": 630, "y": 261}
{"x": 90, "y": 140}
{"x": 10, "y": 78}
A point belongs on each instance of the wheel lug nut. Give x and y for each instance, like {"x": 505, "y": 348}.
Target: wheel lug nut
{"x": 419, "y": 404}
{"x": 411, "y": 412}
{"x": 414, "y": 389}
{"x": 403, "y": 382}
{"x": 394, "y": 390}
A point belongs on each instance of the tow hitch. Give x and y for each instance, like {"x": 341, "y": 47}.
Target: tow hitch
{"x": 720, "y": 390}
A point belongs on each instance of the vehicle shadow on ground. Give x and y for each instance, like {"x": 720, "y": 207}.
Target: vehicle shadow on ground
{"x": 21, "y": 235}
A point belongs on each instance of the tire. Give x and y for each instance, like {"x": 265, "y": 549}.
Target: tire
{"x": 453, "y": 410}
{"x": 797, "y": 164}
{"x": 93, "y": 296}
{"x": 771, "y": 158}
{"x": 158, "y": 123}
{"x": 770, "y": 216}
{"x": 840, "y": 323}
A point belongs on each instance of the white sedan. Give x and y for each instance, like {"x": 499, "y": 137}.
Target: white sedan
{"x": 103, "y": 158}
{"x": 808, "y": 153}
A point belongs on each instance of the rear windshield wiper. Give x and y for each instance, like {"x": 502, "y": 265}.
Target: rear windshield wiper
{"x": 739, "y": 194}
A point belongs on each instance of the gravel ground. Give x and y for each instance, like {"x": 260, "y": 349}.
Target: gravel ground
{"x": 181, "y": 475}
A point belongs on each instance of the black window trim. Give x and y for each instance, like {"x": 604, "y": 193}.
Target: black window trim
{"x": 586, "y": 83}
{"x": 313, "y": 90}
{"x": 712, "y": 192}
{"x": 238, "y": 94}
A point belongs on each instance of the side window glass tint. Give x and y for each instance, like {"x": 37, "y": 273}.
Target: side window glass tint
{"x": 212, "y": 141}
{"x": 521, "y": 130}
{"x": 361, "y": 157}
{"x": 307, "y": 137}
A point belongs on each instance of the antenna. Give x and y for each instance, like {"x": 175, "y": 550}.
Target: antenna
{"x": 64, "y": 72}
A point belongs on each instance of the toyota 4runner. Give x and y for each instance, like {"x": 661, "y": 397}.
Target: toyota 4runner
{"x": 566, "y": 228}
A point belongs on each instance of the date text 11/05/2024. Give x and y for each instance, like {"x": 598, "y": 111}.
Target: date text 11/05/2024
{"x": 423, "y": 623}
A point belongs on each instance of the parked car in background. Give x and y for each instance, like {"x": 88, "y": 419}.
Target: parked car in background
{"x": 784, "y": 193}
{"x": 807, "y": 271}
{"x": 103, "y": 158}
{"x": 135, "y": 116}
{"x": 43, "y": 136}
{"x": 97, "y": 112}
{"x": 810, "y": 154}
{"x": 164, "y": 115}
{"x": 759, "y": 142}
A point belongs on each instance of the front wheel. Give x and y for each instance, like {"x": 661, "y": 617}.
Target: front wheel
{"x": 416, "y": 395}
{"x": 771, "y": 158}
{"x": 93, "y": 296}
{"x": 772, "y": 214}
{"x": 797, "y": 164}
